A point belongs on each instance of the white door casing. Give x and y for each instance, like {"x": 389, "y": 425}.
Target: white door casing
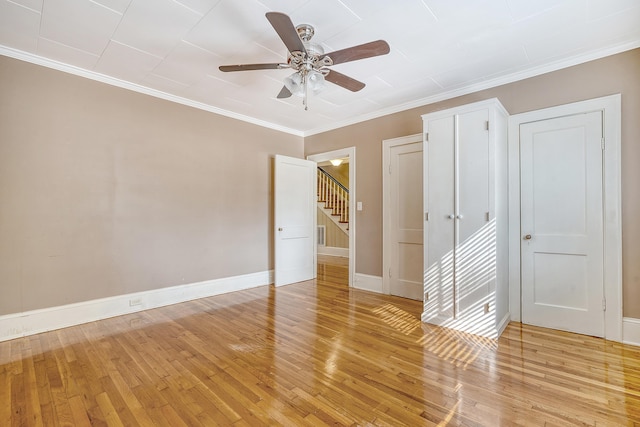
{"x": 295, "y": 220}
{"x": 610, "y": 109}
{"x": 403, "y": 217}
{"x": 349, "y": 152}
{"x": 561, "y": 223}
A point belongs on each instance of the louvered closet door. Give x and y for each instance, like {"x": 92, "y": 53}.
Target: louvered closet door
{"x": 475, "y": 251}
{"x": 439, "y": 229}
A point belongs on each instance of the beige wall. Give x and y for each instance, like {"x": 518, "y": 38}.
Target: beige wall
{"x": 615, "y": 74}
{"x": 104, "y": 191}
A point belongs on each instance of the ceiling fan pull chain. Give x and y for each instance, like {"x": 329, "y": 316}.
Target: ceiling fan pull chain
{"x": 306, "y": 91}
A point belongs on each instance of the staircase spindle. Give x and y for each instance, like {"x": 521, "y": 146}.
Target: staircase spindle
{"x": 334, "y": 196}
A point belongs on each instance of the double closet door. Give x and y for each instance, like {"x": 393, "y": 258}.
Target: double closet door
{"x": 465, "y": 277}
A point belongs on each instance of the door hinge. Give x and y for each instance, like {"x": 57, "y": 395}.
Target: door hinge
{"x": 426, "y": 216}
{"x": 604, "y": 304}
{"x": 486, "y": 125}
{"x": 486, "y": 216}
{"x": 602, "y": 143}
{"x": 389, "y": 273}
{"x": 426, "y": 136}
{"x": 389, "y": 167}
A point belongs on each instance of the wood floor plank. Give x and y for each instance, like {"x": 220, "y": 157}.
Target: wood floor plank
{"x": 308, "y": 354}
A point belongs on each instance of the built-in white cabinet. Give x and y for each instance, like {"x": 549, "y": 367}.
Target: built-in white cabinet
{"x": 466, "y": 225}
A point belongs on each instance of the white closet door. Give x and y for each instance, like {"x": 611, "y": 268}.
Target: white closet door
{"x": 439, "y": 230}
{"x": 406, "y": 234}
{"x": 562, "y": 223}
{"x": 475, "y": 252}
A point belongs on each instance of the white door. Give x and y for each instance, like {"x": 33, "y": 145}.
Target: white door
{"x": 294, "y": 219}
{"x": 562, "y": 223}
{"x": 439, "y": 234}
{"x": 405, "y": 221}
{"x": 475, "y": 247}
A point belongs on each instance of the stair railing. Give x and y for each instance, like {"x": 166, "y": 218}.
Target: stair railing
{"x": 334, "y": 195}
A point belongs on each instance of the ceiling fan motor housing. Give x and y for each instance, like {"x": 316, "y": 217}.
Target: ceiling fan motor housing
{"x": 314, "y": 58}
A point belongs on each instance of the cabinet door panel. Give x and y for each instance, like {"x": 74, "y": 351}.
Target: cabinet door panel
{"x": 475, "y": 237}
{"x": 439, "y": 232}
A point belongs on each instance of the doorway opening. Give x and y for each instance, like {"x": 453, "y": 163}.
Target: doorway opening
{"x": 336, "y": 220}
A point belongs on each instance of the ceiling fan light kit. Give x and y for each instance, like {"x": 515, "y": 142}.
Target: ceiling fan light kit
{"x": 309, "y": 61}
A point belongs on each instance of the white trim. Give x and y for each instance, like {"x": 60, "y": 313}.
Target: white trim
{"x": 351, "y": 153}
{"x": 333, "y": 251}
{"x": 611, "y": 110}
{"x": 387, "y": 248}
{"x": 92, "y": 75}
{"x": 366, "y": 282}
{"x": 32, "y": 322}
{"x": 502, "y": 324}
{"x": 631, "y": 331}
{"x": 477, "y": 87}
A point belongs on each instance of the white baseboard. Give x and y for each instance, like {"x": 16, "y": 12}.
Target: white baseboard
{"x": 333, "y": 251}
{"x": 32, "y": 322}
{"x": 631, "y": 331}
{"x": 502, "y": 325}
{"x": 368, "y": 283}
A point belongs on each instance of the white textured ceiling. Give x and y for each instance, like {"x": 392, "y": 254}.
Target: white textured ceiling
{"x": 439, "y": 48}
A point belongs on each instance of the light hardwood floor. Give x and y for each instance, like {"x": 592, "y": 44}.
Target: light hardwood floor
{"x": 312, "y": 353}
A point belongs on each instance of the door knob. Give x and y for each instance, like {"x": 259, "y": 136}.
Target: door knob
{"x": 527, "y": 237}
{"x": 279, "y": 228}
{"x": 459, "y": 216}
{"x": 452, "y": 216}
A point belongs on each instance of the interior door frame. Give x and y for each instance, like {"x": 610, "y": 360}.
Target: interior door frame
{"x": 611, "y": 109}
{"x": 387, "y": 254}
{"x": 349, "y": 152}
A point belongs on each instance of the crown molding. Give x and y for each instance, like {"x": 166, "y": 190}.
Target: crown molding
{"x": 92, "y": 75}
{"x": 443, "y": 96}
{"x": 487, "y": 84}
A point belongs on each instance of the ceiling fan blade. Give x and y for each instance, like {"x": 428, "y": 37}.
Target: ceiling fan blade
{"x": 284, "y": 93}
{"x": 367, "y": 50}
{"x": 345, "y": 81}
{"x": 248, "y": 67}
{"x": 287, "y": 32}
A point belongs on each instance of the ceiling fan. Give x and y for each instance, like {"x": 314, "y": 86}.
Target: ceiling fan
{"x": 309, "y": 61}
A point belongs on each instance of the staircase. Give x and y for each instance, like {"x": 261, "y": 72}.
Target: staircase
{"x": 333, "y": 199}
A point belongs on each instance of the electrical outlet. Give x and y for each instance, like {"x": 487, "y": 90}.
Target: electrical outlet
{"x": 135, "y": 301}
